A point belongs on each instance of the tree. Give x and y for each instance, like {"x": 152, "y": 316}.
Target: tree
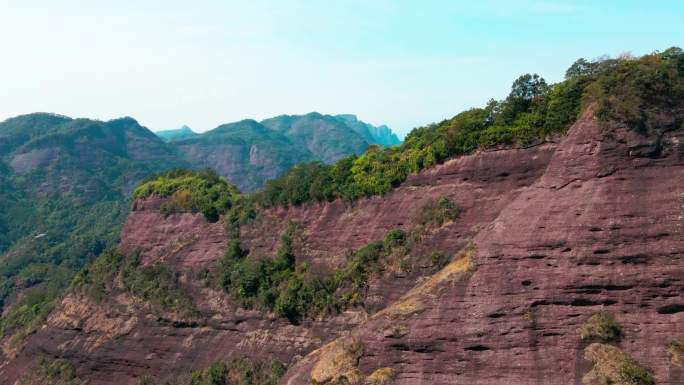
{"x": 529, "y": 87}
{"x": 285, "y": 259}
{"x": 676, "y": 55}
{"x": 235, "y": 250}
{"x": 527, "y": 92}
{"x": 581, "y": 67}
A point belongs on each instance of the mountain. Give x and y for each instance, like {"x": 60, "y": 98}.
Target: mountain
{"x": 381, "y": 135}
{"x": 325, "y": 136}
{"x": 246, "y": 153}
{"x": 179, "y": 133}
{"x": 536, "y": 240}
{"x": 65, "y": 187}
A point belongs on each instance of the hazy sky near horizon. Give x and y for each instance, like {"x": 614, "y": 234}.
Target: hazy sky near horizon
{"x": 401, "y": 63}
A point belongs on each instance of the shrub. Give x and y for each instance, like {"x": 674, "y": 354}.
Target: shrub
{"x": 436, "y": 212}
{"x": 54, "y": 372}
{"x": 241, "y": 371}
{"x": 395, "y": 238}
{"x": 235, "y": 250}
{"x": 42, "y": 288}
{"x": 600, "y": 327}
{"x": 382, "y": 376}
{"x": 156, "y": 284}
{"x": 238, "y": 371}
{"x": 644, "y": 93}
{"x": 294, "y": 292}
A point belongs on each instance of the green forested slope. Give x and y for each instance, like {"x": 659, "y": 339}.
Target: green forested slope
{"x": 65, "y": 188}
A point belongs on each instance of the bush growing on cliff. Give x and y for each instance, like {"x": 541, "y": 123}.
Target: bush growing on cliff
{"x": 644, "y": 93}
{"x": 291, "y": 290}
{"x": 31, "y": 309}
{"x": 52, "y": 372}
{"x": 190, "y": 191}
{"x": 600, "y": 327}
{"x": 238, "y": 371}
{"x": 394, "y": 238}
{"x": 156, "y": 284}
{"x": 436, "y": 212}
{"x": 242, "y": 371}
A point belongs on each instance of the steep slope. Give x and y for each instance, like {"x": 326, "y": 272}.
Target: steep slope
{"x": 246, "y": 153}
{"x": 600, "y": 230}
{"x": 328, "y": 138}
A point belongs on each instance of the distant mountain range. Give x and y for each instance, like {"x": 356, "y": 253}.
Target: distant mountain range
{"x": 248, "y": 152}
{"x": 65, "y": 183}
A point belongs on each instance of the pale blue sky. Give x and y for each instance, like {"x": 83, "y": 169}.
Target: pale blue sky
{"x": 202, "y": 63}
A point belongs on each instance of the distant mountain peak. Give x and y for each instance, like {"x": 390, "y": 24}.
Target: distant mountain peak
{"x": 381, "y": 135}
{"x": 178, "y": 133}
{"x": 349, "y": 117}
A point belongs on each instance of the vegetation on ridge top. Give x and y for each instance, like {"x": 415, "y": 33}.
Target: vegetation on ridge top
{"x": 643, "y": 93}
{"x": 201, "y": 191}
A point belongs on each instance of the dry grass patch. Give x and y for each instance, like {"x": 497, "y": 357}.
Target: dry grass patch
{"x": 612, "y": 366}
{"x": 676, "y": 349}
{"x": 338, "y": 363}
{"x": 411, "y": 302}
{"x": 382, "y": 376}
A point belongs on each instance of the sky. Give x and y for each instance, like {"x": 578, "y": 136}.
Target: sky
{"x": 401, "y": 63}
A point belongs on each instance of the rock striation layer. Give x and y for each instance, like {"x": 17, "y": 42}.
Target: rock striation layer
{"x": 600, "y": 230}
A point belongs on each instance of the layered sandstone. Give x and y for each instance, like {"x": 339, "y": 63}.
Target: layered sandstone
{"x": 548, "y": 235}
{"x": 600, "y": 230}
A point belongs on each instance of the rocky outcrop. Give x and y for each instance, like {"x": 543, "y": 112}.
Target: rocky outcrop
{"x": 177, "y": 239}
{"x": 547, "y": 236}
{"x": 25, "y": 162}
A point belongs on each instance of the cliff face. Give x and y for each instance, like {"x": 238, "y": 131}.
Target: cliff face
{"x": 601, "y": 229}
{"x": 547, "y": 236}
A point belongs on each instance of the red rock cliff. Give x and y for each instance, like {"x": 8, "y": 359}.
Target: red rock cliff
{"x": 600, "y": 230}
{"x": 548, "y": 236}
